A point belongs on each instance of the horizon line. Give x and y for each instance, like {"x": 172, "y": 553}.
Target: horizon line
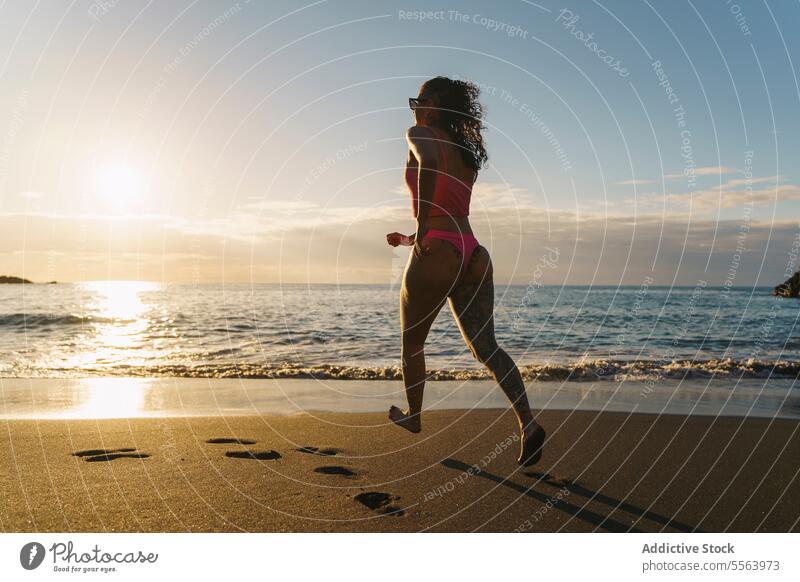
{"x": 339, "y": 283}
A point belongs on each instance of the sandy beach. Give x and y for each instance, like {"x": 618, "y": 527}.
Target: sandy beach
{"x": 609, "y": 471}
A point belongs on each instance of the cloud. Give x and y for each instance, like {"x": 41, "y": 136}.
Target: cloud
{"x": 733, "y": 194}
{"x": 732, "y": 184}
{"x": 633, "y": 182}
{"x": 702, "y": 171}
{"x": 492, "y": 194}
{"x": 279, "y": 205}
{"x": 31, "y": 195}
{"x": 306, "y": 243}
{"x": 705, "y": 171}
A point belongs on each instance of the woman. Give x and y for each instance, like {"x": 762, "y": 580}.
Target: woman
{"x": 445, "y": 153}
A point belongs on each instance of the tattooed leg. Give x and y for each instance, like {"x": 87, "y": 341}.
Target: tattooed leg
{"x": 472, "y": 303}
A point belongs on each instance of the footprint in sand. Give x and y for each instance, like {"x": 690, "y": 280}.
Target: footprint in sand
{"x": 380, "y": 502}
{"x": 256, "y": 455}
{"x": 230, "y": 441}
{"x": 95, "y": 455}
{"x": 328, "y": 452}
{"x": 336, "y": 470}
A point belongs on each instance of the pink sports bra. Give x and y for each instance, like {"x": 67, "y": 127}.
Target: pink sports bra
{"x": 451, "y": 196}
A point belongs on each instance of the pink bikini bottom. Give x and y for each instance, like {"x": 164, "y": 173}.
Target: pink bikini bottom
{"x": 465, "y": 243}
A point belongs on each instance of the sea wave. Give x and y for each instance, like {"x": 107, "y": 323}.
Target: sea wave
{"x": 39, "y": 320}
{"x": 581, "y": 371}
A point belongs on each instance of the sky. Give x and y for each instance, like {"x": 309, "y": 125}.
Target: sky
{"x": 210, "y": 142}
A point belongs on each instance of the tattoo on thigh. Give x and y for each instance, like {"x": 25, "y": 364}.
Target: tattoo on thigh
{"x": 474, "y": 306}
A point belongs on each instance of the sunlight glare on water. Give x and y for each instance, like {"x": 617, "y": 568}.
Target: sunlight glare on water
{"x": 119, "y": 332}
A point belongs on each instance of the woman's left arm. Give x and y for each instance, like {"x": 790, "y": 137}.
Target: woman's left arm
{"x": 421, "y": 141}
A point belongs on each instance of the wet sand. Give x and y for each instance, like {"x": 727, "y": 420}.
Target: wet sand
{"x": 607, "y": 471}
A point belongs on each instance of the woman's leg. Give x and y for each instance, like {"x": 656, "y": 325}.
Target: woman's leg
{"x": 472, "y": 303}
{"x": 427, "y": 281}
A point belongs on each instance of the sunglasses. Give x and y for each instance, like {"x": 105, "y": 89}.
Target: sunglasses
{"x": 414, "y": 102}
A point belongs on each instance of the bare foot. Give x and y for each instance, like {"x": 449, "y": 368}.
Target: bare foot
{"x": 532, "y": 444}
{"x": 411, "y": 423}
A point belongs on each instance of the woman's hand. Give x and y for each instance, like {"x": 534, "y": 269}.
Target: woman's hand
{"x": 398, "y": 239}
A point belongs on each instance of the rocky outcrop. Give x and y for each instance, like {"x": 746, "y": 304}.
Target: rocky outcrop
{"x": 8, "y": 279}
{"x": 789, "y": 288}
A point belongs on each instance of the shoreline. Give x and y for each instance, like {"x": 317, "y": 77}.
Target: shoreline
{"x": 133, "y": 397}
{"x": 356, "y": 472}
{"x": 586, "y": 368}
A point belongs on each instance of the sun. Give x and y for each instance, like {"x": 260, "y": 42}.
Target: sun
{"x": 120, "y": 185}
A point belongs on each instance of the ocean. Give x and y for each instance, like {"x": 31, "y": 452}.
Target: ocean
{"x": 143, "y": 329}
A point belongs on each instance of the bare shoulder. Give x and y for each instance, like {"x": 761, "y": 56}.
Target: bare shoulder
{"x": 422, "y": 143}
{"x": 419, "y": 133}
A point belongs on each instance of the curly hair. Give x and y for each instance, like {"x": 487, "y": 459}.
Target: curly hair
{"x": 460, "y": 112}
